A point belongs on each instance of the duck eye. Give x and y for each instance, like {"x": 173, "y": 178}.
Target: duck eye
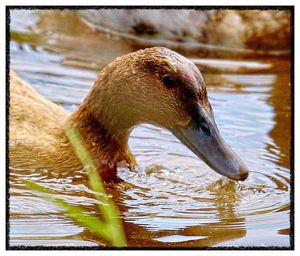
{"x": 169, "y": 81}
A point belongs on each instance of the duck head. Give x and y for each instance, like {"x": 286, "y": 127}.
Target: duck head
{"x": 161, "y": 87}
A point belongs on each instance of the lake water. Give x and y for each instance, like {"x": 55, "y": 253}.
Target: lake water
{"x": 173, "y": 198}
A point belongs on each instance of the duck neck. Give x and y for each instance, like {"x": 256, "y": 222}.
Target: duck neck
{"x": 104, "y": 127}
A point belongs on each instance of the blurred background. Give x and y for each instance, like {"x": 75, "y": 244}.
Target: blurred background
{"x": 173, "y": 198}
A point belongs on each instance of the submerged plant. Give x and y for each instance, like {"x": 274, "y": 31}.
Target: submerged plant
{"x": 110, "y": 226}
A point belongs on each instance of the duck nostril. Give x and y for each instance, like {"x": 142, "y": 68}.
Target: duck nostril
{"x": 204, "y": 127}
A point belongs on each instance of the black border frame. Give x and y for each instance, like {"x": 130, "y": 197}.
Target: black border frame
{"x": 291, "y": 8}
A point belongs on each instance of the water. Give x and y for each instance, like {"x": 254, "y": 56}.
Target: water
{"x": 173, "y": 199}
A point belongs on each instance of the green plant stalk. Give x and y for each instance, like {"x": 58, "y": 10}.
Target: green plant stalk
{"x": 23, "y": 37}
{"x": 110, "y": 228}
{"x": 77, "y": 213}
{"x": 107, "y": 206}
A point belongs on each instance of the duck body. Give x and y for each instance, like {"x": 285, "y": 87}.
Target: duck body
{"x": 154, "y": 85}
{"x": 35, "y": 130}
{"x": 37, "y": 139}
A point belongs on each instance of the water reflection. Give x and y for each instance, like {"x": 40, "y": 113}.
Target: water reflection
{"x": 218, "y": 221}
{"x": 280, "y": 100}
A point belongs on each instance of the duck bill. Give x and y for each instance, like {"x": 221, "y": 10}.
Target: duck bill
{"x": 204, "y": 139}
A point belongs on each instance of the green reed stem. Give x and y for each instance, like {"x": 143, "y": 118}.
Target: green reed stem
{"x": 110, "y": 228}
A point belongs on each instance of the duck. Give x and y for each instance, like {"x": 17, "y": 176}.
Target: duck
{"x": 154, "y": 86}
{"x": 263, "y": 31}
